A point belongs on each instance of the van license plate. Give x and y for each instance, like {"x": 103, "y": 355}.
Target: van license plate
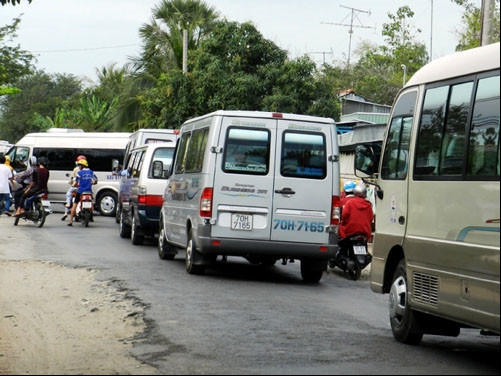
{"x": 242, "y": 222}
{"x": 359, "y": 250}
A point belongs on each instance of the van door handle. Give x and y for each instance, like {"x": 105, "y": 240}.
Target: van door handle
{"x": 285, "y": 191}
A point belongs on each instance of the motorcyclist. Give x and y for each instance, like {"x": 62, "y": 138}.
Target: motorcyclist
{"x": 357, "y": 215}
{"x": 72, "y": 188}
{"x": 39, "y": 181}
{"x": 348, "y": 188}
{"x": 24, "y": 179}
{"x": 84, "y": 180}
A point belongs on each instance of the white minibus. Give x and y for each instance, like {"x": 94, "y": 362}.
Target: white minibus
{"x": 436, "y": 245}
{"x": 103, "y": 150}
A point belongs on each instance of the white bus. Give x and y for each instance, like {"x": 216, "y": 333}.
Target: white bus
{"x": 103, "y": 150}
{"x": 436, "y": 245}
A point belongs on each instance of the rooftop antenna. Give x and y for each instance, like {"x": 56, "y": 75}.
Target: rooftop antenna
{"x": 354, "y": 15}
{"x": 321, "y": 52}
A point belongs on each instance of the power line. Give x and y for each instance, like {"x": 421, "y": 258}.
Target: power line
{"x": 86, "y": 49}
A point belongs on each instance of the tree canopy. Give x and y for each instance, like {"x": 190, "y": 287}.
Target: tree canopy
{"x": 13, "y": 2}
{"x": 230, "y": 66}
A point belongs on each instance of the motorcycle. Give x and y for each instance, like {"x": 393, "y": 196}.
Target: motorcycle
{"x": 85, "y": 213}
{"x": 37, "y": 208}
{"x": 352, "y": 256}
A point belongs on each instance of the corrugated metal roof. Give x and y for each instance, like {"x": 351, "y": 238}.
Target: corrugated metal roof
{"x": 375, "y": 118}
{"x": 362, "y": 134}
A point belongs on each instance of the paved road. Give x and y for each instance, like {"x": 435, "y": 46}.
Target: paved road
{"x": 244, "y": 319}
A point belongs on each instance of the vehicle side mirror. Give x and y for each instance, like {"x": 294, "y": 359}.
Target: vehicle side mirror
{"x": 158, "y": 170}
{"x": 366, "y": 160}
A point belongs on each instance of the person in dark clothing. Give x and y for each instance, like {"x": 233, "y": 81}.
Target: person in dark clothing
{"x": 38, "y": 184}
{"x": 357, "y": 215}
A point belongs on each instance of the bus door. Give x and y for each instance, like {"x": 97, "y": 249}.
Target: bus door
{"x": 392, "y": 208}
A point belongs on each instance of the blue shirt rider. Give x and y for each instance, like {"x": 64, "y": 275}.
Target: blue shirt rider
{"x": 85, "y": 179}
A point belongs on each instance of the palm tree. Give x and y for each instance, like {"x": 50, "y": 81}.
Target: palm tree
{"x": 163, "y": 36}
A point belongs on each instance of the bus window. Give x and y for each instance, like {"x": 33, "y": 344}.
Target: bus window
{"x": 396, "y": 156}
{"x": 453, "y": 144}
{"x": 483, "y": 155}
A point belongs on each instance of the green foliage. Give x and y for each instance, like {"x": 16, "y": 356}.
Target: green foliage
{"x": 378, "y": 75}
{"x": 40, "y": 93}
{"x": 471, "y": 28}
{"x": 235, "y": 68}
{"x": 163, "y": 36}
{"x": 13, "y": 2}
{"x": 14, "y": 62}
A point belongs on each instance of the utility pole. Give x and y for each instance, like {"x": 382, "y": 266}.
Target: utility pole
{"x": 354, "y": 15}
{"x": 431, "y": 32}
{"x": 486, "y": 22}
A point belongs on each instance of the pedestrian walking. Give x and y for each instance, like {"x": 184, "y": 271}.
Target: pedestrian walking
{"x": 6, "y": 176}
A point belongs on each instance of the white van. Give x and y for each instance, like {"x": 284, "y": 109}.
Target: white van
{"x": 142, "y": 189}
{"x": 141, "y": 137}
{"x": 149, "y": 136}
{"x": 260, "y": 185}
{"x": 61, "y": 147}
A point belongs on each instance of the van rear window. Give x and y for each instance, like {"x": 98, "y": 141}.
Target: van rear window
{"x": 303, "y": 155}
{"x": 247, "y": 151}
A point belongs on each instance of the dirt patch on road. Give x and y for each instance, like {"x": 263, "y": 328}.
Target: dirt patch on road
{"x": 59, "y": 320}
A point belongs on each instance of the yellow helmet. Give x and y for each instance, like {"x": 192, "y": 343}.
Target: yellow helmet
{"x": 83, "y": 162}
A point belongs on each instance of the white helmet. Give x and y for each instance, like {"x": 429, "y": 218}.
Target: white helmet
{"x": 33, "y": 161}
{"x": 360, "y": 190}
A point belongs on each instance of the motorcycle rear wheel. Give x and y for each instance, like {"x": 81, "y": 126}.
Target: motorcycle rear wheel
{"x": 40, "y": 214}
{"x": 86, "y": 218}
{"x": 355, "y": 272}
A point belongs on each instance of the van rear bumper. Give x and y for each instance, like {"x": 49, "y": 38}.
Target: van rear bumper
{"x": 244, "y": 247}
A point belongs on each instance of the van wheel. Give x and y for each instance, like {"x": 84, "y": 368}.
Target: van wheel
{"x": 107, "y": 203}
{"x": 136, "y": 236}
{"x": 312, "y": 270}
{"x": 124, "y": 228}
{"x": 165, "y": 250}
{"x": 192, "y": 256}
{"x": 404, "y": 323}
{"x": 118, "y": 213}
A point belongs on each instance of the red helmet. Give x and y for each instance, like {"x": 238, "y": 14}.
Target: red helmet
{"x": 81, "y": 157}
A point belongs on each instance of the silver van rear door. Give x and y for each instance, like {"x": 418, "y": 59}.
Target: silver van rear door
{"x": 243, "y": 184}
{"x": 303, "y": 182}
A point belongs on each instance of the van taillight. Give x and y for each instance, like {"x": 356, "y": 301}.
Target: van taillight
{"x": 277, "y": 115}
{"x": 206, "y": 203}
{"x": 336, "y": 211}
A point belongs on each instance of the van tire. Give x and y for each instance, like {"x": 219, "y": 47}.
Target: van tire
{"x": 124, "y": 228}
{"x": 312, "y": 270}
{"x": 165, "y": 250}
{"x": 118, "y": 213}
{"x": 404, "y": 322}
{"x": 192, "y": 257}
{"x": 136, "y": 235}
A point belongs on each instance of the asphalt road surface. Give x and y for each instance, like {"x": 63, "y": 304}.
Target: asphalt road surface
{"x": 245, "y": 319}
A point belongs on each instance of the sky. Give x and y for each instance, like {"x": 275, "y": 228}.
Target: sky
{"x": 80, "y": 37}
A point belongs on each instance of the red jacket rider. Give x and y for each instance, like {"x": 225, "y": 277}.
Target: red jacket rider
{"x": 357, "y": 215}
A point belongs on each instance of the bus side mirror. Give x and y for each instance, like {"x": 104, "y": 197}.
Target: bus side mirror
{"x": 366, "y": 160}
